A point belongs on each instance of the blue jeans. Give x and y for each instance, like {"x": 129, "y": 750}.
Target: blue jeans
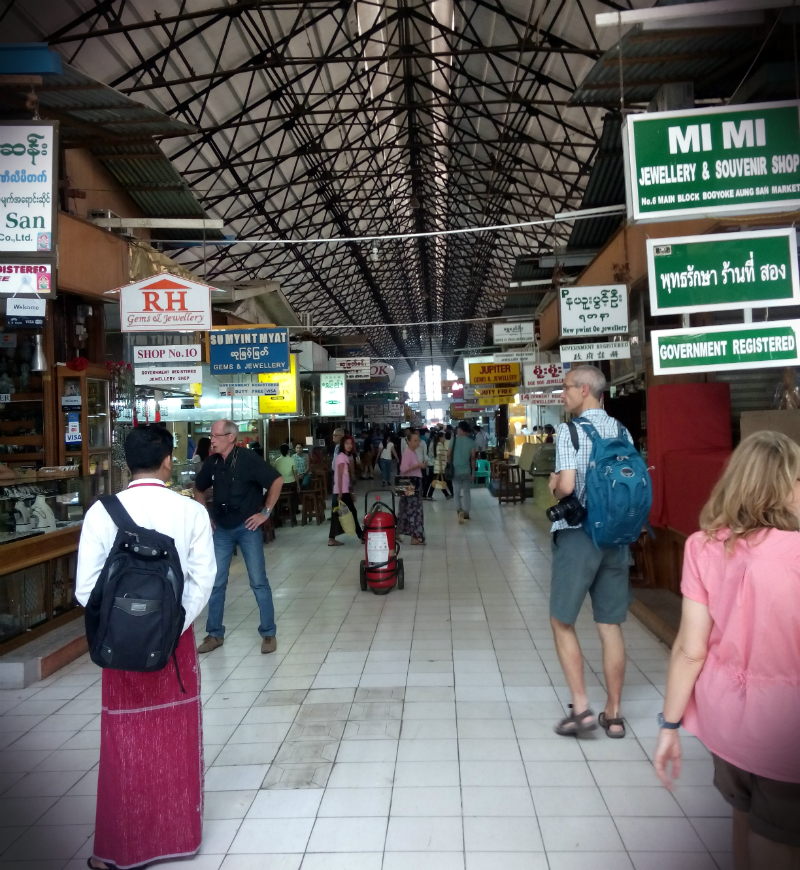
{"x": 386, "y": 470}
{"x": 252, "y": 547}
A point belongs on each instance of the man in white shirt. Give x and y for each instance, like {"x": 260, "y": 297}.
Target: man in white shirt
{"x": 150, "y": 786}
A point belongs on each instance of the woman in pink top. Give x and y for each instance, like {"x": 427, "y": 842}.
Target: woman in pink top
{"x": 410, "y": 520}
{"x": 343, "y": 475}
{"x": 734, "y": 675}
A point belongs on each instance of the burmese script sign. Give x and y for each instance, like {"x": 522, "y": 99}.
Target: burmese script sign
{"x": 544, "y": 375}
{"x": 356, "y": 368}
{"x": 259, "y": 350}
{"x": 726, "y": 348}
{"x": 165, "y": 303}
{"x": 594, "y": 310}
{"x": 702, "y": 162}
{"x": 723, "y": 271}
{"x": 28, "y": 166}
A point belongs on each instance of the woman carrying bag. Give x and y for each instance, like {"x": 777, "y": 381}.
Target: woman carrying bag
{"x": 342, "y": 487}
{"x": 438, "y": 449}
{"x": 387, "y": 455}
{"x": 410, "y": 519}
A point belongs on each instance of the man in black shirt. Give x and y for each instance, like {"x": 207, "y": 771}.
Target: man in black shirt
{"x": 239, "y": 477}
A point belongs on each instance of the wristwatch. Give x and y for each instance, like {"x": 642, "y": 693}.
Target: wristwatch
{"x": 267, "y": 511}
{"x": 662, "y": 723}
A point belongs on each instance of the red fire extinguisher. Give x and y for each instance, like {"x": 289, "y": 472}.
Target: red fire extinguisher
{"x": 381, "y": 569}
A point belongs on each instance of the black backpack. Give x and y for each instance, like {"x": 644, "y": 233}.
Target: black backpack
{"x": 134, "y": 616}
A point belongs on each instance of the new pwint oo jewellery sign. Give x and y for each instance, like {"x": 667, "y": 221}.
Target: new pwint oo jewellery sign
{"x": 704, "y": 162}
{"x": 723, "y": 271}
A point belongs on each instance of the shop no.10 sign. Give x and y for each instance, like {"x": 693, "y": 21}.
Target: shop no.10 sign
{"x": 725, "y": 160}
{"x": 723, "y": 271}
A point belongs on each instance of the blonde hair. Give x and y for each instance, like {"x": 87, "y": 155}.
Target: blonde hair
{"x": 756, "y": 490}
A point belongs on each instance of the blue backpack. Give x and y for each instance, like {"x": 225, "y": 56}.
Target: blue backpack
{"x": 619, "y": 492}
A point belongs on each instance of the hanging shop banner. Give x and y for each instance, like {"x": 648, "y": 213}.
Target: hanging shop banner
{"x": 25, "y": 312}
{"x": 513, "y": 333}
{"x": 704, "y": 162}
{"x": 381, "y": 371}
{"x": 285, "y": 402}
{"x": 374, "y": 410}
{"x": 27, "y": 279}
{"x": 254, "y": 350}
{"x": 231, "y": 389}
{"x": 333, "y": 391}
{"x": 594, "y": 310}
{"x": 544, "y": 375}
{"x": 164, "y": 303}
{"x": 538, "y": 399}
{"x": 28, "y": 168}
{"x": 517, "y": 356}
{"x": 494, "y": 373}
{"x": 595, "y": 351}
{"x": 396, "y": 409}
{"x": 167, "y": 353}
{"x": 497, "y": 394}
{"x": 459, "y": 410}
{"x": 726, "y": 348}
{"x": 723, "y": 271}
{"x": 167, "y": 375}
{"x": 356, "y": 368}
{"x": 490, "y": 403}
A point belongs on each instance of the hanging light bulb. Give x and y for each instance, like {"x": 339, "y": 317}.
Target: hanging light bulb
{"x": 38, "y": 361}
{"x": 374, "y": 253}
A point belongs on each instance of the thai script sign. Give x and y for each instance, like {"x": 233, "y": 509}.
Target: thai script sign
{"x": 332, "y": 394}
{"x": 494, "y": 373}
{"x": 27, "y": 279}
{"x": 594, "y": 310}
{"x": 513, "y": 333}
{"x": 356, "y": 368}
{"x": 168, "y": 375}
{"x": 164, "y": 303}
{"x": 726, "y": 160}
{"x": 248, "y": 351}
{"x": 231, "y": 389}
{"x": 726, "y": 348}
{"x": 595, "y": 351}
{"x": 544, "y": 375}
{"x": 166, "y": 353}
{"x": 28, "y": 167}
{"x": 723, "y": 271}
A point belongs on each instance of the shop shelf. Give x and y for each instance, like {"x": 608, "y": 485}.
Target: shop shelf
{"x": 27, "y": 397}
{"x": 23, "y": 440}
{"x": 11, "y": 458}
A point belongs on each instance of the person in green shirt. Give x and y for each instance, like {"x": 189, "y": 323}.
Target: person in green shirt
{"x": 463, "y": 460}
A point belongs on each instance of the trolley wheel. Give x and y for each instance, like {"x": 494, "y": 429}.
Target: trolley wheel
{"x": 401, "y": 575}
{"x": 362, "y": 576}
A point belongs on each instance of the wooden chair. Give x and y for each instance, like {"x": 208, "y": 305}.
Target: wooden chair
{"x": 322, "y": 474}
{"x": 509, "y": 483}
{"x": 285, "y": 508}
{"x": 312, "y": 501}
{"x": 268, "y": 530}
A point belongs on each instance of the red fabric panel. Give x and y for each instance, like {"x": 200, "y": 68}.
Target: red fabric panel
{"x": 684, "y": 417}
{"x": 150, "y": 786}
{"x": 688, "y": 481}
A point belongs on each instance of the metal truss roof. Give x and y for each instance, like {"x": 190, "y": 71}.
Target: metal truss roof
{"x": 349, "y": 118}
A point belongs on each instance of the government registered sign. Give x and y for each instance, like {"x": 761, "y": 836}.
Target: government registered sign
{"x": 595, "y": 351}
{"x": 723, "y": 271}
{"x": 723, "y": 160}
{"x": 726, "y": 348}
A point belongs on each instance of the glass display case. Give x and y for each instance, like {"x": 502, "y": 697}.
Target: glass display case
{"x": 183, "y": 474}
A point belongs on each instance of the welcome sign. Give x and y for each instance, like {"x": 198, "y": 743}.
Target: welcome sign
{"x": 703, "y": 162}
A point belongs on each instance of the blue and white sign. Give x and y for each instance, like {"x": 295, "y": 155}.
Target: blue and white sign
{"x": 262, "y": 349}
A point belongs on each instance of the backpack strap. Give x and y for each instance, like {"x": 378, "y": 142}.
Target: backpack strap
{"x": 119, "y": 516}
{"x": 589, "y": 429}
{"x": 573, "y": 434}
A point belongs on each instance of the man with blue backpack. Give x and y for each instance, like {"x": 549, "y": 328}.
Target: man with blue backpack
{"x": 605, "y": 496}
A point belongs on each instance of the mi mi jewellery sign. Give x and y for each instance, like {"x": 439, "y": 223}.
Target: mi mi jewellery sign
{"x": 260, "y": 350}
{"x": 27, "y": 185}
{"x": 723, "y": 271}
{"x": 594, "y": 310}
{"x": 726, "y": 348}
{"x": 727, "y": 160}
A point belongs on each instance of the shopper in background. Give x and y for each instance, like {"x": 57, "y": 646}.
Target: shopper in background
{"x": 202, "y": 450}
{"x": 239, "y": 478}
{"x": 481, "y": 442}
{"x": 343, "y": 481}
{"x": 367, "y": 458}
{"x": 150, "y": 777}
{"x": 734, "y": 675}
{"x": 441, "y": 455}
{"x": 579, "y": 567}
{"x": 388, "y": 455}
{"x": 410, "y": 520}
{"x": 300, "y": 459}
{"x": 463, "y": 462}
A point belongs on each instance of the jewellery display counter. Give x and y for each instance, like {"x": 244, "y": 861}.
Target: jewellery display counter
{"x": 40, "y": 522}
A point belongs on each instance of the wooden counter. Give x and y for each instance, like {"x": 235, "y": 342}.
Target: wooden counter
{"x": 18, "y": 555}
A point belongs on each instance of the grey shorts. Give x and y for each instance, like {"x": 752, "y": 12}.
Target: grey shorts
{"x": 580, "y": 567}
{"x": 772, "y": 806}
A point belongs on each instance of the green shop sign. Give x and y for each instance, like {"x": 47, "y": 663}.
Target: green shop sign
{"x": 702, "y": 162}
{"x": 726, "y": 348}
{"x": 723, "y": 271}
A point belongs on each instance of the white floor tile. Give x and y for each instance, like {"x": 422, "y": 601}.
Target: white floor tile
{"x": 424, "y": 834}
{"x": 426, "y": 801}
{"x": 348, "y": 835}
{"x": 355, "y": 802}
{"x": 492, "y": 834}
{"x": 286, "y": 804}
{"x": 266, "y": 836}
{"x": 497, "y": 801}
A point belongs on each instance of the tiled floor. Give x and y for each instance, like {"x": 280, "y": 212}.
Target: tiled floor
{"x": 418, "y": 722}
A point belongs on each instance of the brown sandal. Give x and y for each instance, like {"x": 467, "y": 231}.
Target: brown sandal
{"x": 606, "y": 723}
{"x": 576, "y": 720}
{"x": 335, "y": 544}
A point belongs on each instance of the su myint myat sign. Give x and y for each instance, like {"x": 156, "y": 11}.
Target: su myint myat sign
{"x": 703, "y": 162}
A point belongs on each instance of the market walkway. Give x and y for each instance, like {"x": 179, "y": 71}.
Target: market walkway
{"x": 420, "y": 722}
